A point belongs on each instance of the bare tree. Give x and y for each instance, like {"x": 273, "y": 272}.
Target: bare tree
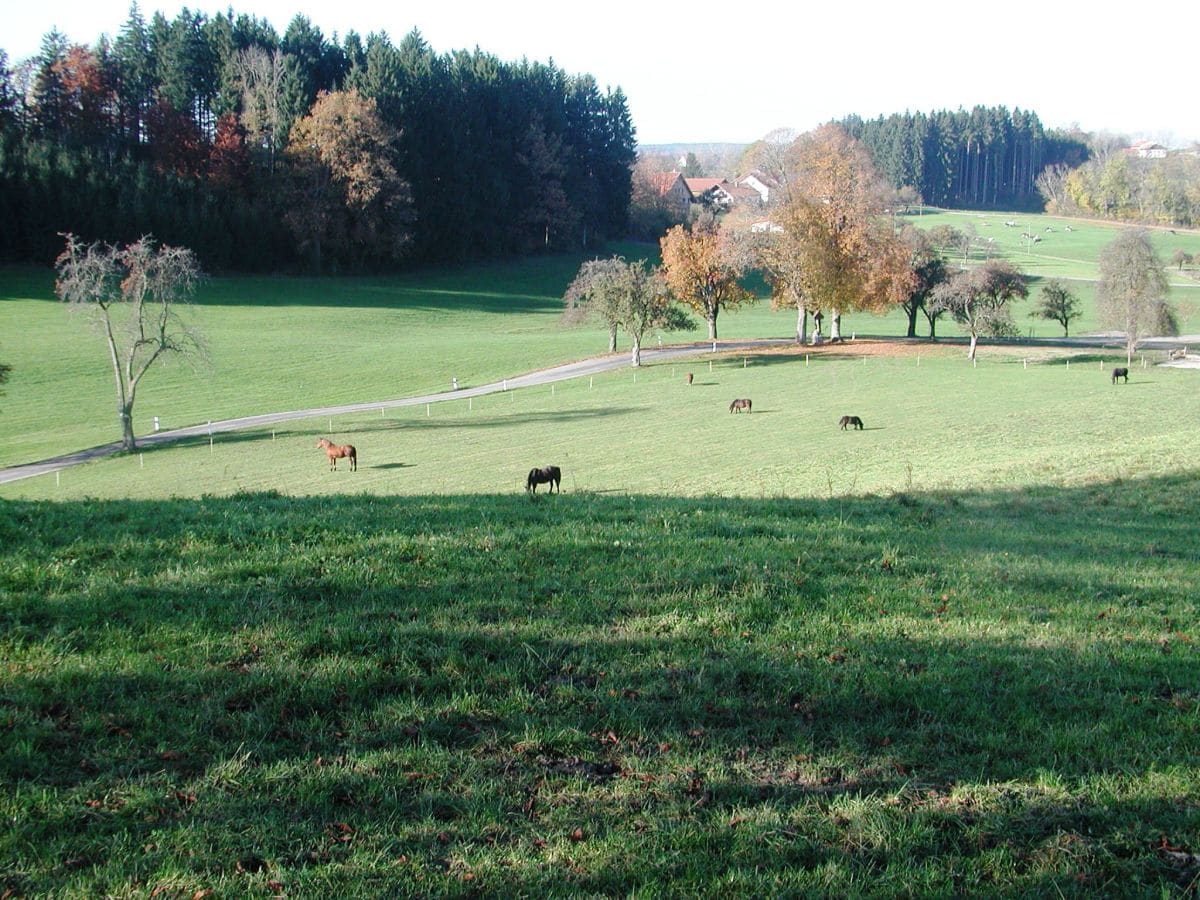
{"x": 1051, "y": 183}
{"x": 1058, "y": 304}
{"x": 624, "y": 294}
{"x": 134, "y": 294}
{"x": 595, "y": 293}
{"x": 261, "y": 75}
{"x": 979, "y": 299}
{"x": 1132, "y": 290}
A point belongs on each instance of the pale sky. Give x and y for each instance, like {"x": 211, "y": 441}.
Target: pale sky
{"x": 696, "y": 72}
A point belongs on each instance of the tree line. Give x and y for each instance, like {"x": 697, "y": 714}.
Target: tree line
{"x": 1113, "y": 185}
{"x": 263, "y": 151}
{"x": 989, "y": 157}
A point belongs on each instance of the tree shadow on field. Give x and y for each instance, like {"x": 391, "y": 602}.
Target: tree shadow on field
{"x": 478, "y": 419}
{"x": 469, "y": 675}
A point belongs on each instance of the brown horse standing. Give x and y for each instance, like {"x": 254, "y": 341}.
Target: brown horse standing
{"x": 739, "y": 405}
{"x": 690, "y": 376}
{"x": 550, "y": 475}
{"x": 1120, "y": 372}
{"x": 338, "y": 451}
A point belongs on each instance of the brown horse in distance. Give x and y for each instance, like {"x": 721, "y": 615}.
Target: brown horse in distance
{"x": 338, "y": 451}
{"x": 853, "y": 421}
{"x": 550, "y": 475}
{"x": 739, "y": 405}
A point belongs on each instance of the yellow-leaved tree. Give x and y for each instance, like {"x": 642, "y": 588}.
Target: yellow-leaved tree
{"x": 702, "y": 266}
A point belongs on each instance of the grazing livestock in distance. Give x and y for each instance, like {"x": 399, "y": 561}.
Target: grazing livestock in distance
{"x": 739, "y": 405}
{"x": 339, "y": 451}
{"x": 1120, "y": 372}
{"x": 550, "y": 475}
{"x": 851, "y": 420}
{"x": 690, "y": 376}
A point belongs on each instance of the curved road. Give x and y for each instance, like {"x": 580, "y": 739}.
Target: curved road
{"x": 542, "y": 376}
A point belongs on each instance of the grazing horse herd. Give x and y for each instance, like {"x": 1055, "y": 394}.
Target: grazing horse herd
{"x": 552, "y": 475}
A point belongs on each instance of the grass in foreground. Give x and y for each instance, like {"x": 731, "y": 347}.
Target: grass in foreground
{"x": 976, "y": 692}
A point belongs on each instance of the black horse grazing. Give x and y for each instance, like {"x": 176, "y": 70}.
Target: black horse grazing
{"x": 1120, "y": 372}
{"x": 739, "y": 405}
{"x": 851, "y": 420}
{"x": 550, "y": 475}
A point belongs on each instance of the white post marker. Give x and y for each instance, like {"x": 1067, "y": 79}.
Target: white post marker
{"x": 714, "y": 346}
{"x": 141, "y": 460}
{"x": 470, "y": 403}
{"x": 426, "y": 410}
{"x": 57, "y": 481}
{"x": 156, "y": 423}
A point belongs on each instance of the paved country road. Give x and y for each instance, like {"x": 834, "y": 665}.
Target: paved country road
{"x": 543, "y": 376}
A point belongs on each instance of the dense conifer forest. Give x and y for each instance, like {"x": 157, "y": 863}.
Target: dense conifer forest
{"x": 986, "y": 158}
{"x": 269, "y": 152}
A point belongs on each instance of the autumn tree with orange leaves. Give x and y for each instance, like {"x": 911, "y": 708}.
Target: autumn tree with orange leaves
{"x": 702, "y": 267}
{"x": 836, "y": 249}
{"x": 346, "y": 191}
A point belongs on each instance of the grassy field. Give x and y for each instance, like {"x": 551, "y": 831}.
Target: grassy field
{"x": 293, "y": 343}
{"x": 932, "y": 421}
{"x": 1071, "y": 256}
{"x": 948, "y": 692}
{"x": 954, "y": 653}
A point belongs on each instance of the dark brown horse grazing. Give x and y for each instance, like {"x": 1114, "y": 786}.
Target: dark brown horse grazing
{"x": 550, "y": 475}
{"x": 338, "y": 451}
{"x": 739, "y": 405}
{"x": 851, "y": 420}
{"x": 690, "y": 376}
{"x": 1120, "y": 372}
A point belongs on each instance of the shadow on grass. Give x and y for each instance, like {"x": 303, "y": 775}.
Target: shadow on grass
{"x": 726, "y": 685}
{"x": 460, "y": 419}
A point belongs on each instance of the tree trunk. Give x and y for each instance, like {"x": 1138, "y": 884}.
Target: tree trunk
{"x": 637, "y": 350}
{"x": 127, "y": 439}
{"x": 801, "y": 323}
{"x": 612, "y": 338}
{"x": 912, "y": 319}
{"x": 971, "y": 352}
{"x": 835, "y": 329}
{"x": 711, "y": 318}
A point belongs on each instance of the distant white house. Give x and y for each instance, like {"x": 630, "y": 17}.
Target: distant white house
{"x": 1146, "y": 150}
{"x": 759, "y": 183}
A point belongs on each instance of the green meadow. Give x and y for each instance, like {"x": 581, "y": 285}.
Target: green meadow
{"x": 952, "y": 654}
{"x": 932, "y": 421}
{"x": 1071, "y": 256}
